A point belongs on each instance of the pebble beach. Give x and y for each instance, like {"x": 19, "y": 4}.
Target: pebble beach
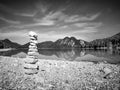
{"x": 58, "y": 75}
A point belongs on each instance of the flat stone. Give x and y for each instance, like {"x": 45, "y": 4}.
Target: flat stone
{"x": 30, "y": 66}
{"x": 33, "y": 53}
{"x": 32, "y": 47}
{"x": 31, "y": 71}
{"x": 33, "y": 38}
{"x": 30, "y": 60}
{"x": 107, "y": 70}
{"x": 33, "y": 50}
{"x": 32, "y": 57}
{"x": 33, "y": 41}
{"x": 33, "y": 44}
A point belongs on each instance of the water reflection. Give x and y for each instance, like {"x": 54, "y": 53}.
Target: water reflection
{"x": 68, "y": 54}
{"x": 111, "y": 56}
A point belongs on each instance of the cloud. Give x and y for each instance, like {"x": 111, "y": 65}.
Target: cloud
{"x": 9, "y": 21}
{"x": 86, "y": 24}
{"x": 53, "y": 36}
{"x": 45, "y": 22}
{"x": 63, "y": 27}
{"x": 42, "y": 23}
{"x": 51, "y": 18}
{"x": 20, "y": 36}
{"x": 84, "y": 28}
{"x": 30, "y": 14}
{"x": 76, "y": 18}
{"x": 73, "y": 18}
{"x": 80, "y": 25}
{"x": 41, "y": 7}
{"x": 87, "y": 30}
{"x": 6, "y": 8}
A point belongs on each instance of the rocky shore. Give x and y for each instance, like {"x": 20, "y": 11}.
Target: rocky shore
{"x": 7, "y": 49}
{"x": 59, "y": 75}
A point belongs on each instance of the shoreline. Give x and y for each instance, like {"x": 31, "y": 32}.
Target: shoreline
{"x": 6, "y": 49}
{"x": 58, "y": 75}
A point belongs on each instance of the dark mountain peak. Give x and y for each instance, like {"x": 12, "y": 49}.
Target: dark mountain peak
{"x": 68, "y": 42}
{"x": 73, "y": 38}
{"x": 6, "y": 43}
{"x": 113, "y": 41}
{"x": 66, "y": 38}
{"x": 46, "y": 44}
{"x": 115, "y": 37}
{"x": 6, "y": 40}
{"x": 118, "y": 34}
{"x": 69, "y": 39}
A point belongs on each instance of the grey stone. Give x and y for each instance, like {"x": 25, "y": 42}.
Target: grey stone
{"x": 33, "y": 50}
{"x": 31, "y": 60}
{"x": 32, "y": 57}
{"x": 33, "y": 38}
{"x": 33, "y": 44}
{"x": 32, "y": 47}
{"x": 33, "y": 41}
{"x": 30, "y": 66}
{"x": 31, "y": 71}
{"x": 33, "y": 53}
{"x": 32, "y": 34}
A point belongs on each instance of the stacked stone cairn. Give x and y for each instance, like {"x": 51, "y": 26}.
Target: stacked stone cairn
{"x": 31, "y": 60}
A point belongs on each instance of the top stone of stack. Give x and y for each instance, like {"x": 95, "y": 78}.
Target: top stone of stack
{"x": 33, "y": 35}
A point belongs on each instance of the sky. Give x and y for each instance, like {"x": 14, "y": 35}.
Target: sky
{"x": 56, "y": 19}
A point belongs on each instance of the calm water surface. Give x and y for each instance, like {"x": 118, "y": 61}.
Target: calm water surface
{"x": 110, "y": 56}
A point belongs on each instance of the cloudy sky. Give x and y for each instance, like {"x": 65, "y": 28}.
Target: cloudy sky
{"x": 55, "y": 19}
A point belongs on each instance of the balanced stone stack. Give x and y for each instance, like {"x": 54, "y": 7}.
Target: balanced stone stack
{"x": 31, "y": 60}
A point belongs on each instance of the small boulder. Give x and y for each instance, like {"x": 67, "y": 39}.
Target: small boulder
{"x": 30, "y": 66}
{"x": 31, "y": 71}
{"x": 30, "y": 60}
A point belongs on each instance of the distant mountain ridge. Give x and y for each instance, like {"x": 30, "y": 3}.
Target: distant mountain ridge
{"x": 114, "y": 41}
{"x": 6, "y": 43}
{"x": 67, "y": 42}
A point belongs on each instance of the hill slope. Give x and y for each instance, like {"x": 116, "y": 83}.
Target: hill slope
{"x": 6, "y": 43}
{"x": 113, "y": 40}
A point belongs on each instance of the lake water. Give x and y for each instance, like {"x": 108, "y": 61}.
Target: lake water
{"x": 110, "y": 56}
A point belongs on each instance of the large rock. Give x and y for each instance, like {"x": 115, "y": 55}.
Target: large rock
{"x": 30, "y": 66}
{"x": 32, "y": 34}
{"x": 33, "y": 41}
{"x": 31, "y": 71}
{"x": 33, "y": 50}
{"x": 33, "y": 53}
{"x": 32, "y": 57}
{"x": 33, "y": 44}
{"x": 31, "y": 60}
{"x": 34, "y": 47}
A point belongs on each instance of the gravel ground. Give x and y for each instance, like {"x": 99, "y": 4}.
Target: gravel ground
{"x": 59, "y": 75}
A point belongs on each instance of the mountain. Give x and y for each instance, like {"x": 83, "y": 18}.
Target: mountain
{"x": 25, "y": 45}
{"x": 113, "y": 41}
{"x": 47, "y": 44}
{"x": 68, "y": 42}
{"x": 6, "y": 43}
{"x": 72, "y": 42}
{"x": 115, "y": 37}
